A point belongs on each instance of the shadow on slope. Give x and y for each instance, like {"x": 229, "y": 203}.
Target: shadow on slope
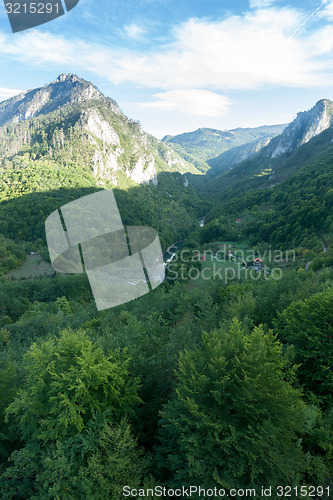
{"x": 169, "y": 207}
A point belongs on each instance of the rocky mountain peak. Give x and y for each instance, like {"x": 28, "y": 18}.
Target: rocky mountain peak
{"x": 66, "y": 89}
{"x": 78, "y": 123}
{"x": 307, "y": 124}
{"x": 67, "y": 77}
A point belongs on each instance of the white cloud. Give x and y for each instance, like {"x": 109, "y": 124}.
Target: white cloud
{"x": 39, "y": 48}
{"x": 327, "y": 11}
{"x": 260, "y": 4}
{"x": 192, "y": 102}
{"x": 322, "y": 42}
{"x": 249, "y": 51}
{"x": 237, "y": 53}
{"x": 7, "y": 93}
{"x": 134, "y": 31}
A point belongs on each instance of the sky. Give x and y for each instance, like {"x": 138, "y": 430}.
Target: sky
{"x": 177, "y": 65}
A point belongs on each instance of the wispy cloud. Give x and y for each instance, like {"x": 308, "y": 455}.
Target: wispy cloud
{"x": 248, "y": 51}
{"x": 192, "y": 102}
{"x": 309, "y": 17}
{"x": 240, "y": 52}
{"x": 7, "y": 93}
{"x": 134, "y": 31}
{"x": 259, "y": 4}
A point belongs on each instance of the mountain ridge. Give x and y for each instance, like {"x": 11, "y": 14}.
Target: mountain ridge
{"x": 303, "y": 128}
{"x": 48, "y": 119}
{"x": 205, "y": 143}
{"x": 66, "y": 89}
{"x": 276, "y": 161}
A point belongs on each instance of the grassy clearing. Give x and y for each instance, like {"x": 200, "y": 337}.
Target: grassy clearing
{"x": 218, "y": 269}
{"x": 238, "y": 251}
{"x": 224, "y": 262}
{"x": 33, "y": 267}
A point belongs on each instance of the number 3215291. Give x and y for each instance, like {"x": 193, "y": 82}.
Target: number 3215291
{"x": 32, "y": 8}
{"x": 303, "y": 491}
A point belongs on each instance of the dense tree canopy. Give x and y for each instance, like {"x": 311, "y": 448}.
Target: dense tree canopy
{"x": 308, "y": 326}
{"x": 234, "y": 418}
{"x": 208, "y": 381}
{"x": 71, "y": 416}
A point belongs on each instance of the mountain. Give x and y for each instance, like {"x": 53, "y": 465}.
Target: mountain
{"x": 233, "y": 156}
{"x": 205, "y": 143}
{"x": 284, "y": 199}
{"x": 66, "y": 89}
{"x": 50, "y": 121}
{"x": 308, "y": 124}
{"x": 297, "y": 212}
{"x": 67, "y": 139}
{"x": 281, "y": 158}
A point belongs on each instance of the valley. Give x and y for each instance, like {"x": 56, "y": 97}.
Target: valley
{"x": 223, "y": 371}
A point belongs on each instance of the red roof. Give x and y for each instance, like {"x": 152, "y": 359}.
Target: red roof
{"x": 257, "y": 260}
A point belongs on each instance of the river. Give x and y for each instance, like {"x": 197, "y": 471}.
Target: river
{"x": 178, "y": 245}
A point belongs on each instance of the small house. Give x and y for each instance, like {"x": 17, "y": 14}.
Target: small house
{"x": 203, "y": 258}
{"x": 238, "y": 221}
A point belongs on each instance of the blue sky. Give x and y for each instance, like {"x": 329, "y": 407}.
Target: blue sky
{"x": 177, "y": 65}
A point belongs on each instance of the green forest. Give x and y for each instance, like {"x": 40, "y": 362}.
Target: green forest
{"x": 209, "y": 385}
{"x": 213, "y": 379}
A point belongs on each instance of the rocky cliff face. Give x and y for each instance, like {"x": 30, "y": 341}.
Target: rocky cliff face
{"x": 66, "y": 89}
{"x": 307, "y": 125}
{"x": 146, "y": 157}
{"x": 73, "y": 119}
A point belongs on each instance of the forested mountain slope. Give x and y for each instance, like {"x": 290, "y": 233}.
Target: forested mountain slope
{"x": 297, "y": 211}
{"x": 68, "y": 137}
{"x": 233, "y": 156}
{"x": 304, "y": 141}
{"x": 225, "y": 381}
{"x": 205, "y": 144}
{"x": 70, "y": 122}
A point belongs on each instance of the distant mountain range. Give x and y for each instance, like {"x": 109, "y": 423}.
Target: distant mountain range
{"x": 205, "y": 144}
{"x": 301, "y": 142}
{"x": 233, "y": 156}
{"x": 283, "y": 195}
